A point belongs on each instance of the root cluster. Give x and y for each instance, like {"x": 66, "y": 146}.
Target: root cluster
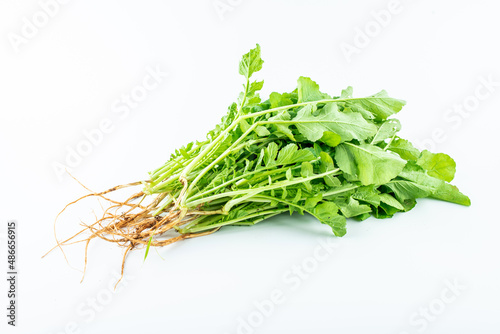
{"x": 130, "y": 224}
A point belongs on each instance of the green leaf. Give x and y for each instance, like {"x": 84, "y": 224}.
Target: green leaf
{"x": 301, "y": 156}
{"x": 287, "y": 154}
{"x": 404, "y": 149}
{"x": 298, "y": 196}
{"x": 262, "y": 131}
{"x": 389, "y": 200}
{"x": 283, "y": 128}
{"x": 378, "y": 106}
{"x": 386, "y": 130}
{"x": 346, "y": 93}
{"x": 326, "y": 162}
{"x": 408, "y": 204}
{"x": 147, "y": 247}
{"x": 279, "y": 100}
{"x": 259, "y": 160}
{"x": 362, "y": 217}
{"x": 270, "y": 154}
{"x": 385, "y": 211}
{"x": 244, "y": 126}
{"x": 331, "y": 181}
{"x": 284, "y": 194}
{"x": 251, "y": 62}
{"x": 367, "y": 194}
{"x": 255, "y": 86}
{"x": 439, "y": 189}
{"x": 352, "y": 208}
{"x": 370, "y": 164}
{"x": 438, "y": 165}
{"x": 327, "y": 214}
{"x": 311, "y": 202}
{"x": 404, "y": 189}
{"x": 331, "y": 139}
{"x": 348, "y": 126}
{"x": 308, "y": 90}
{"x": 306, "y": 169}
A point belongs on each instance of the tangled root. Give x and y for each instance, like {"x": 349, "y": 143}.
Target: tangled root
{"x": 136, "y": 226}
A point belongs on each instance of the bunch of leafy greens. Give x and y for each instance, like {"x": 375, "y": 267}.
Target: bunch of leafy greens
{"x": 332, "y": 157}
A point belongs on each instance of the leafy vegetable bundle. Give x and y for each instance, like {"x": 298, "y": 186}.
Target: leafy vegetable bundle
{"x": 332, "y": 157}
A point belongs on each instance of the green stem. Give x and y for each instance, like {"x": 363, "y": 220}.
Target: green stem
{"x": 253, "y": 115}
{"x": 216, "y": 161}
{"x": 390, "y": 142}
{"x": 261, "y": 189}
{"x": 260, "y": 170}
{"x": 290, "y": 106}
{"x": 232, "y": 148}
{"x": 158, "y": 173}
{"x": 192, "y": 165}
{"x": 263, "y": 214}
{"x": 216, "y": 141}
{"x": 338, "y": 191}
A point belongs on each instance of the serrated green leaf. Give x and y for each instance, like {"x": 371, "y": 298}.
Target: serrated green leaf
{"x": 327, "y": 214}
{"x": 283, "y": 128}
{"x": 270, "y": 154}
{"x": 347, "y": 126}
{"x": 352, "y": 208}
{"x": 279, "y": 100}
{"x": 311, "y": 202}
{"x": 346, "y": 93}
{"x": 378, "y": 106}
{"x": 251, "y": 62}
{"x": 404, "y": 149}
{"x": 255, "y": 86}
{"x": 308, "y": 90}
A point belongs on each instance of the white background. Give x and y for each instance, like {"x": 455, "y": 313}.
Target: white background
{"x": 64, "y": 79}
